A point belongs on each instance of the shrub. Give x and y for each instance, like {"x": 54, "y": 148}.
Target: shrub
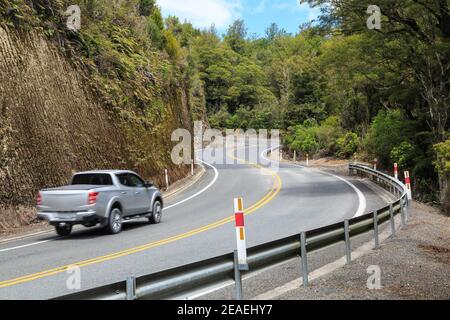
{"x": 404, "y": 155}
{"x": 328, "y": 133}
{"x": 347, "y": 145}
{"x": 304, "y": 139}
{"x": 219, "y": 120}
{"x": 388, "y": 130}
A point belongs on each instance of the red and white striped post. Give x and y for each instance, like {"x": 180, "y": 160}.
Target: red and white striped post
{"x": 408, "y": 185}
{"x": 396, "y": 170}
{"x": 240, "y": 234}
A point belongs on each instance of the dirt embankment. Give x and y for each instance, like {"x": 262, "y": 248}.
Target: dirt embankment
{"x": 53, "y": 123}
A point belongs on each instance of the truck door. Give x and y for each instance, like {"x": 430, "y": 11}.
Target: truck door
{"x": 127, "y": 196}
{"x": 141, "y": 196}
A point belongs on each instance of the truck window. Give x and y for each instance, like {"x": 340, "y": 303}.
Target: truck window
{"x": 92, "y": 180}
{"x": 136, "y": 181}
{"x": 130, "y": 180}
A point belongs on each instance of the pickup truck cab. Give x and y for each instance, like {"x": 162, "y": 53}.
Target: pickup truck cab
{"x": 104, "y": 198}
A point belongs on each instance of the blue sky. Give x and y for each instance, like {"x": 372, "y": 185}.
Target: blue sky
{"x": 258, "y": 14}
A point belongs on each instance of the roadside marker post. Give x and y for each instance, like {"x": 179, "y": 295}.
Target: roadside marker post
{"x": 240, "y": 234}
{"x": 240, "y": 255}
{"x": 192, "y": 167}
{"x": 408, "y": 185}
{"x": 307, "y": 160}
{"x": 167, "y": 178}
{"x": 295, "y": 156}
{"x": 396, "y": 170}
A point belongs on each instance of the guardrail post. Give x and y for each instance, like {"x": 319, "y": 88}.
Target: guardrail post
{"x": 408, "y": 209}
{"x": 237, "y": 277}
{"x": 304, "y": 255}
{"x": 391, "y": 213}
{"x": 375, "y": 226}
{"x": 402, "y": 211}
{"x": 131, "y": 288}
{"x": 348, "y": 249}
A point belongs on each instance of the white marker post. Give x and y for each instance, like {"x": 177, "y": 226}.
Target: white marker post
{"x": 240, "y": 234}
{"x": 295, "y": 156}
{"x": 192, "y": 167}
{"x": 167, "y": 178}
{"x": 307, "y": 160}
{"x": 396, "y": 170}
{"x": 375, "y": 164}
{"x": 408, "y": 185}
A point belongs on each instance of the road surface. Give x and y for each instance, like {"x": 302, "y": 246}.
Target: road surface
{"x": 197, "y": 225}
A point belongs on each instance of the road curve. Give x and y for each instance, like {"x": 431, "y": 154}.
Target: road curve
{"x": 197, "y": 225}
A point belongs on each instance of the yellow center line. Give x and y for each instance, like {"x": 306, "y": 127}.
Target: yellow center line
{"x": 276, "y": 188}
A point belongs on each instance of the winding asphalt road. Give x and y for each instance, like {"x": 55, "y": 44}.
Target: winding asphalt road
{"x": 197, "y": 224}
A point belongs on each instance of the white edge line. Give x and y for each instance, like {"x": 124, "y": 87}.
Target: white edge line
{"x": 216, "y": 176}
{"x": 362, "y": 199}
{"x": 361, "y": 210}
{"x": 24, "y": 246}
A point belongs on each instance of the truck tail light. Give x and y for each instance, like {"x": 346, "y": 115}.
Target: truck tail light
{"x": 39, "y": 199}
{"x": 93, "y": 197}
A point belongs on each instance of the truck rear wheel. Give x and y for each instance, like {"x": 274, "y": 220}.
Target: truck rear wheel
{"x": 156, "y": 216}
{"x": 115, "y": 221}
{"x": 63, "y": 230}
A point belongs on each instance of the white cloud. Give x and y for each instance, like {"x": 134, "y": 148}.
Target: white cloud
{"x": 313, "y": 13}
{"x": 295, "y": 6}
{"x": 261, "y": 7}
{"x": 203, "y": 13}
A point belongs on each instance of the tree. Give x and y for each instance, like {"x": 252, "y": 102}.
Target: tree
{"x": 420, "y": 31}
{"x": 273, "y": 32}
{"x": 235, "y": 37}
{"x": 443, "y": 166}
{"x": 388, "y": 130}
{"x": 146, "y": 7}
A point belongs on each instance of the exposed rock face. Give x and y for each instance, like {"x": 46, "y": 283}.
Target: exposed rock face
{"x": 53, "y": 123}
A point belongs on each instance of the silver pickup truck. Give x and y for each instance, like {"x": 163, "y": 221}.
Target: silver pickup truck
{"x": 104, "y": 198}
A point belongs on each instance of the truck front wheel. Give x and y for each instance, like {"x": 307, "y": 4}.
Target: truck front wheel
{"x": 63, "y": 230}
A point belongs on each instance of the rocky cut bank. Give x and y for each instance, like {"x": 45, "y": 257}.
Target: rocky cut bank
{"x": 102, "y": 98}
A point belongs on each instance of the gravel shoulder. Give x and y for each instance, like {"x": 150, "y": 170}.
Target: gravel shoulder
{"x": 414, "y": 265}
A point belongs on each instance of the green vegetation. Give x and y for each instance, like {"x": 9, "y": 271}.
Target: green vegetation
{"x": 335, "y": 88}
{"x": 134, "y": 61}
{"x": 443, "y": 166}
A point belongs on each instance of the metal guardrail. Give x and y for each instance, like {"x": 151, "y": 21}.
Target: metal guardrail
{"x": 197, "y": 276}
